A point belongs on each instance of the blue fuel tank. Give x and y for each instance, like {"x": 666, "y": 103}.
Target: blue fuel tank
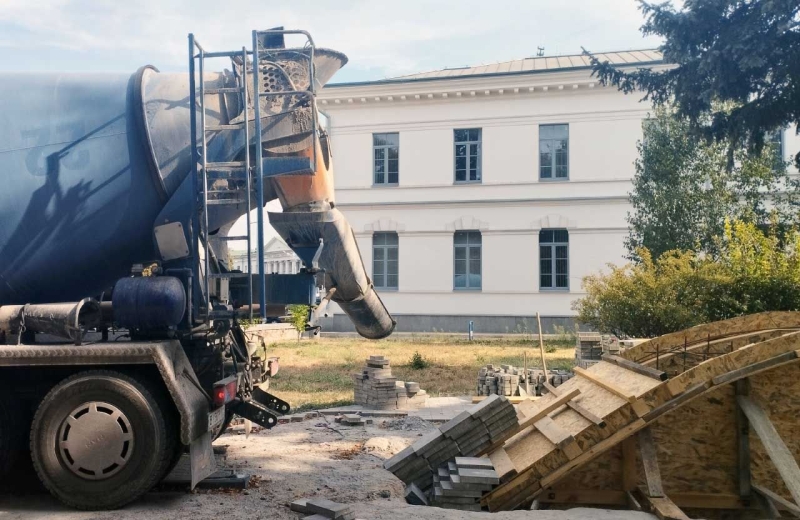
{"x": 87, "y": 161}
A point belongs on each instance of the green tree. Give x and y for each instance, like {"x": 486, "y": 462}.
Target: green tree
{"x": 298, "y": 315}
{"x": 753, "y": 272}
{"x": 745, "y": 53}
{"x": 683, "y": 190}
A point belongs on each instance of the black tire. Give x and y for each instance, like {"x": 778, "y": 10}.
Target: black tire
{"x": 12, "y": 436}
{"x": 95, "y": 394}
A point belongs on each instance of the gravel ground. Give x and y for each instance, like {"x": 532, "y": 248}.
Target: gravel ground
{"x": 297, "y": 460}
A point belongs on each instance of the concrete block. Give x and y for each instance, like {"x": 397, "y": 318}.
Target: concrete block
{"x": 330, "y": 509}
{"x": 478, "y": 476}
{"x": 415, "y": 496}
{"x": 474, "y": 463}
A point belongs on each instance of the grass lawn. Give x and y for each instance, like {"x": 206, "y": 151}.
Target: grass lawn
{"x": 316, "y": 374}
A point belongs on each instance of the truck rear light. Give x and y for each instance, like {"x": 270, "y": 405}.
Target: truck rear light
{"x": 225, "y": 391}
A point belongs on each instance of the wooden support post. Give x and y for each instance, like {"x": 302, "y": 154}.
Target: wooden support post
{"x": 780, "y": 455}
{"x": 664, "y": 508}
{"x": 541, "y": 346}
{"x": 777, "y": 500}
{"x": 743, "y": 435}
{"x": 652, "y": 474}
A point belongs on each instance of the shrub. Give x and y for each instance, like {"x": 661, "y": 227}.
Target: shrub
{"x": 298, "y": 315}
{"x": 418, "y": 362}
{"x": 753, "y": 272}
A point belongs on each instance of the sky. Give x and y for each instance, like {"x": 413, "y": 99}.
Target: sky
{"x": 382, "y": 39}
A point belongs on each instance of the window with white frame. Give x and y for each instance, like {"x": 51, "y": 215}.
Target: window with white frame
{"x": 467, "y": 144}
{"x": 553, "y": 152}
{"x": 386, "y": 158}
{"x": 775, "y": 140}
{"x": 467, "y": 260}
{"x": 554, "y": 259}
{"x": 385, "y": 265}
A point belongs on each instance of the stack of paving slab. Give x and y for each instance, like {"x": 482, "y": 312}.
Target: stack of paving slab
{"x": 376, "y": 388}
{"x": 470, "y": 433}
{"x": 460, "y": 484}
{"x": 510, "y": 381}
{"x": 322, "y": 509}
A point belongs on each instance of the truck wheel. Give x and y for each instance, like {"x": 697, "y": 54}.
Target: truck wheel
{"x": 99, "y": 440}
{"x": 12, "y": 438}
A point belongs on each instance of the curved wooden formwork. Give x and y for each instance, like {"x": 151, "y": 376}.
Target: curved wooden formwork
{"x": 623, "y": 432}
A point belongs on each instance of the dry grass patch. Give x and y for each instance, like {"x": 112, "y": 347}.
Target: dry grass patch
{"x": 317, "y": 374}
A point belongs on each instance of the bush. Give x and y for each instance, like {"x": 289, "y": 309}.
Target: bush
{"x": 299, "y": 318}
{"x": 418, "y": 362}
{"x": 754, "y": 272}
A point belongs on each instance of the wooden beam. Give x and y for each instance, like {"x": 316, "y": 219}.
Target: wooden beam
{"x": 636, "y": 367}
{"x": 514, "y": 399}
{"x": 767, "y": 505}
{"x": 532, "y": 413}
{"x": 630, "y": 472}
{"x": 755, "y": 368}
{"x": 743, "y": 437}
{"x": 638, "y": 406}
{"x": 777, "y": 500}
{"x": 589, "y": 416}
{"x": 652, "y": 474}
{"x": 682, "y": 399}
{"x": 664, "y": 508}
{"x": 780, "y": 455}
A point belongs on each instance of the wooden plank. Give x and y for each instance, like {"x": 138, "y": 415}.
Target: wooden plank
{"x": 767, "y": 505}
{"x": 532, "y": 413}
{"x": 636, "y": 367}
{"x": 781, "y": 457}
{"x": 755, "y": 368}
{"x": 652, "y": 475}
{"x": 502, "y": 464}
{"x": 778, "y": 500}
{"x": 638, "y": 406}
{"x": 743, "y": 438}
{"x": 514, "y": 399}
{"x": 589, "y": 416}
{"x": 630, "y": 473}
{"x": 593, "y": 497}
{"x": 541, "y": 347}
{"x": 708, "y": 501}
{"x": 682, "y": 399}
{"x": 664, "y": 508}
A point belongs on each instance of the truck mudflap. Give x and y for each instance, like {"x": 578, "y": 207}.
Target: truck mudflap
{"x": 168, "y": 356}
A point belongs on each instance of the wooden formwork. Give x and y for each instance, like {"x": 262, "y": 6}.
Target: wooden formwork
{"x": 703, "y": 419}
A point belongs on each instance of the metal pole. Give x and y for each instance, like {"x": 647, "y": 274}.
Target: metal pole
{"x": 262, "y": 286}
{"x": 193, "y": 129}
{"x": 471, "y": 329}
{"x": 247, "y": 177}
{"x": 207, "y": 256}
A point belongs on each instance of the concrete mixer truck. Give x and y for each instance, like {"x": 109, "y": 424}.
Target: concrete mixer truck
{"x": 120, "y": 346}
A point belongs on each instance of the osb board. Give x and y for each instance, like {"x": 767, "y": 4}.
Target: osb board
{"x": 778, "y": 393}
{"x": 675, "y": 363}
{"x": 603, "y": 473}
{"x": 626, "y": 380}
{"x": 697, "y": 445}
{"x": 741, "y": 358}
{"x": 712, "y": 331}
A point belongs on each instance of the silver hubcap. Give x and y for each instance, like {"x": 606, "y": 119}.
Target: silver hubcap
{"x": 96, "y": 440}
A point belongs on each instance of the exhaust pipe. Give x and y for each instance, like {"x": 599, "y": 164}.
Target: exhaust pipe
{"x": 341, "y": 261}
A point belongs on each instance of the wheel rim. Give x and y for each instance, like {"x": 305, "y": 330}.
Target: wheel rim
{"x": 95, "y": 440}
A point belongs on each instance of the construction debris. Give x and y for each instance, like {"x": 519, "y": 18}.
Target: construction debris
{"x": 352, "y": 419}
{"x": 375, "y": 387}
{"x": 469, "y": 434}
{"x": 509, "y": 380}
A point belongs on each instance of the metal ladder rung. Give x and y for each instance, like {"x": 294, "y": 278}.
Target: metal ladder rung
{"x": 223, "y": 90}
{"x": 228, "y": 275}
{"x": 217, "y": 128}
{"x": 224, "y": 166}
{"x": 226, "y": 175}
{"x": 241, "y": 237}
{"x": 223, "y": 202}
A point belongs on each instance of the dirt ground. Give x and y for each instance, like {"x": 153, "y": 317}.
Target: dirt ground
{"x": 297, "y": 460}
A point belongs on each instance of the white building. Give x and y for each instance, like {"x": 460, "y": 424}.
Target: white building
{"x": 487, "y": 193}
{"x": 278, "y": 258}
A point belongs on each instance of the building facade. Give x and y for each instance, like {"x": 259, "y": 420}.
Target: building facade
{"x": 278, "y": 258}
{"x": 487, "y": 194}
